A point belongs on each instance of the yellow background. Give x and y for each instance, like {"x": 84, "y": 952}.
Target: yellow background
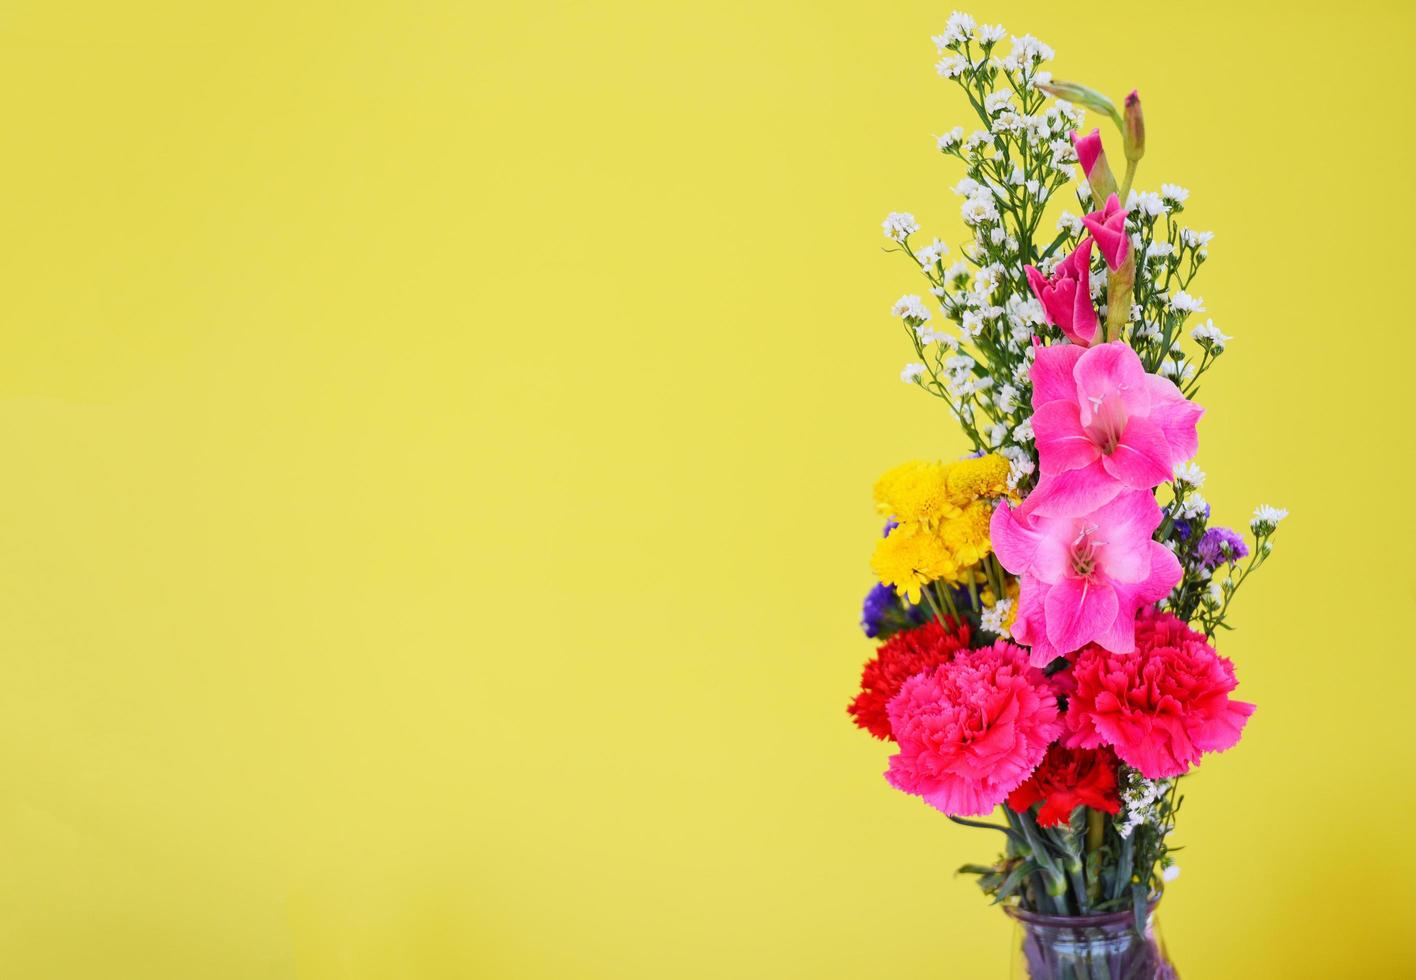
{"x": 438, "y": 443}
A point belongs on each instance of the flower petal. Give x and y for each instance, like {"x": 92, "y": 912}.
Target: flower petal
{"x": 1077, "y": 610}
{"x": 1111, "y": 369}
{"x": 1175, "y": 415}
{"x": 1142, "y": 458}
{"x": 1072, "y": 492}
{"x": 1062, "y": 443}
{"x": 1051, "y": 373}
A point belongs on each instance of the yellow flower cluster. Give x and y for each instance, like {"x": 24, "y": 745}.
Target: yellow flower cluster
{"x": 943, "y": 510}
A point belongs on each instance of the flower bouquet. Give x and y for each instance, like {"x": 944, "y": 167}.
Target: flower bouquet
{"x": 1048, "y": 605}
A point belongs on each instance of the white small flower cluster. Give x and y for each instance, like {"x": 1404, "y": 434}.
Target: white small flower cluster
{"x": 1020, "y": 465}
{"x": 993, "y": 618}
{"x": 1185, "y": 303}
{"x": 1207, "y": 335}
{"x": 1174, "y": 194}
{"x": 1190, "y": 474}
{"x": 1198, "y": 240}
{"x": 899, "y": 225}
{"x": 932, "y": 253}
{"x": 910, "y": 307}
{"x": 1146, "y": 202}
{"x": 913, "y": 372}
{"x": 1266, "y": 518}
{"x": 951, "y": 140}
{"x": 1141, "y": 800}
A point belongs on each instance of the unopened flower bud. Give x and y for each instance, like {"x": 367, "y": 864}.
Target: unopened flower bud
{"x": 1134, "y": 128}
{"x": 1083, "y": 96}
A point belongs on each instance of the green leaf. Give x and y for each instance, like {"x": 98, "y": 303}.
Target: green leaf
{"x": 1014, "y": 879}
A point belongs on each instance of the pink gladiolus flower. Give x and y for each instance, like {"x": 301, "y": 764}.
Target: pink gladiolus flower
{"x": 1088, "y": 149}
{"x": 1160, "y": 707}
{"x": 1103, "y": 425}
{"x": 1066, "y": 297}
{"x": 1083, "y": 576}
{"x": 972, "y": 730}
{"x": 1108, "y": 227}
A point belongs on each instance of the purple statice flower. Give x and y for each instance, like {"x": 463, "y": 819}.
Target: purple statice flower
{"x": 883, "y": 615}
{"x": 1211, "y": 549}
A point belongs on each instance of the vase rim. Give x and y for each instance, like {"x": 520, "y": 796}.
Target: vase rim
{"x": 1076, "y": 921}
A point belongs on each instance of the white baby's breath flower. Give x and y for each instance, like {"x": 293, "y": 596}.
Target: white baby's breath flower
{"x": 967, "y": 187}
{"x": 928, "y": 335}
{"x": 1174, "y": 193}
{"x": 910, "y": 307}
{"x": 995, "y": 102}
{"x": 1147, "y": 202}
{"x": 912, "y": 372}
{"x": 959, "y": 270}
{"x": 980, "y": 209}
{"x": 951, "y": 139}
{"x": 1194, "y": 506}
{"x": 953, "y": 66}
{"x": 932, "y": 253}
{"x": 993, "y": 617}
{"x": 1208, "y": 335}
{"x": 1177, "y": 371}
{"x": 1266, "y": 518}
{"x": 1195, "y": 239}
{"x": 1007, "y": 121}
{"x": 1023, "y": 431}
{"x": 1007, "y": 399}
{"x": 977, "y": 140}
{"x": 959, "y": 28}
{"x": 1159, "y": 250}
{"x": 996, "y": 434}
{"x": 1190, "y": 473}
{"x": 1186, "y": 303}
{"x": 1070, "y": 223}
{"x": 991, "y": 34}
{"x": 899, "y": 225}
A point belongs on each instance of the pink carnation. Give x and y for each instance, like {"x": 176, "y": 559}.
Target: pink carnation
{"x": 1159, "y": 707}
{"x": 972, "y": 730}
{"x": 1103, "y": 425}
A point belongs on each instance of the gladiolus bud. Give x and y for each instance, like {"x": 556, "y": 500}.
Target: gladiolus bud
{"x": 1082, "y": 96}
{"x": 1134, "y": 128}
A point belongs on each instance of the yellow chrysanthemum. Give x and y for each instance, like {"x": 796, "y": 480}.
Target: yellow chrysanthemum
{"x": 970, "y": 479}
{"x": 909, "y": 558}
{"x": 913, "y": 491}
{"x": 966, "y": 535}
{"x": 943, "y": 510}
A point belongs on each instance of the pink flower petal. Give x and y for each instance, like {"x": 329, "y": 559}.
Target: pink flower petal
{"x": 1175, "y": 415}
{"x": 1014, "y": 543}
{"x": 1077, "y": 610}
{"x": 1051, "y": 374}
{"x": 1124, "y": 527}
{"x": 1142, "y": 459}
{"x": 1112, "y": 370}
{"x": 1088, "y": 149}
{"x": 1062, "y": 443}
{"x": 1072, "y": 492}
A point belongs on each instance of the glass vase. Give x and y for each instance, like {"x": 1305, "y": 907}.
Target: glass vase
{"x": 1090, "y": 947}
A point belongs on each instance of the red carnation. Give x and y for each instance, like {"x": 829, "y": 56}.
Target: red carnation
{"x": 896, "y": 661}
{"x": 1067, "y": 779}
{"x": 1159, "y": 707}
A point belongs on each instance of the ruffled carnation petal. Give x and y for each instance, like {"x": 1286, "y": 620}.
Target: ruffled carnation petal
{"x": 1161, "y": 706}
{"x": 971, "y": 730}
